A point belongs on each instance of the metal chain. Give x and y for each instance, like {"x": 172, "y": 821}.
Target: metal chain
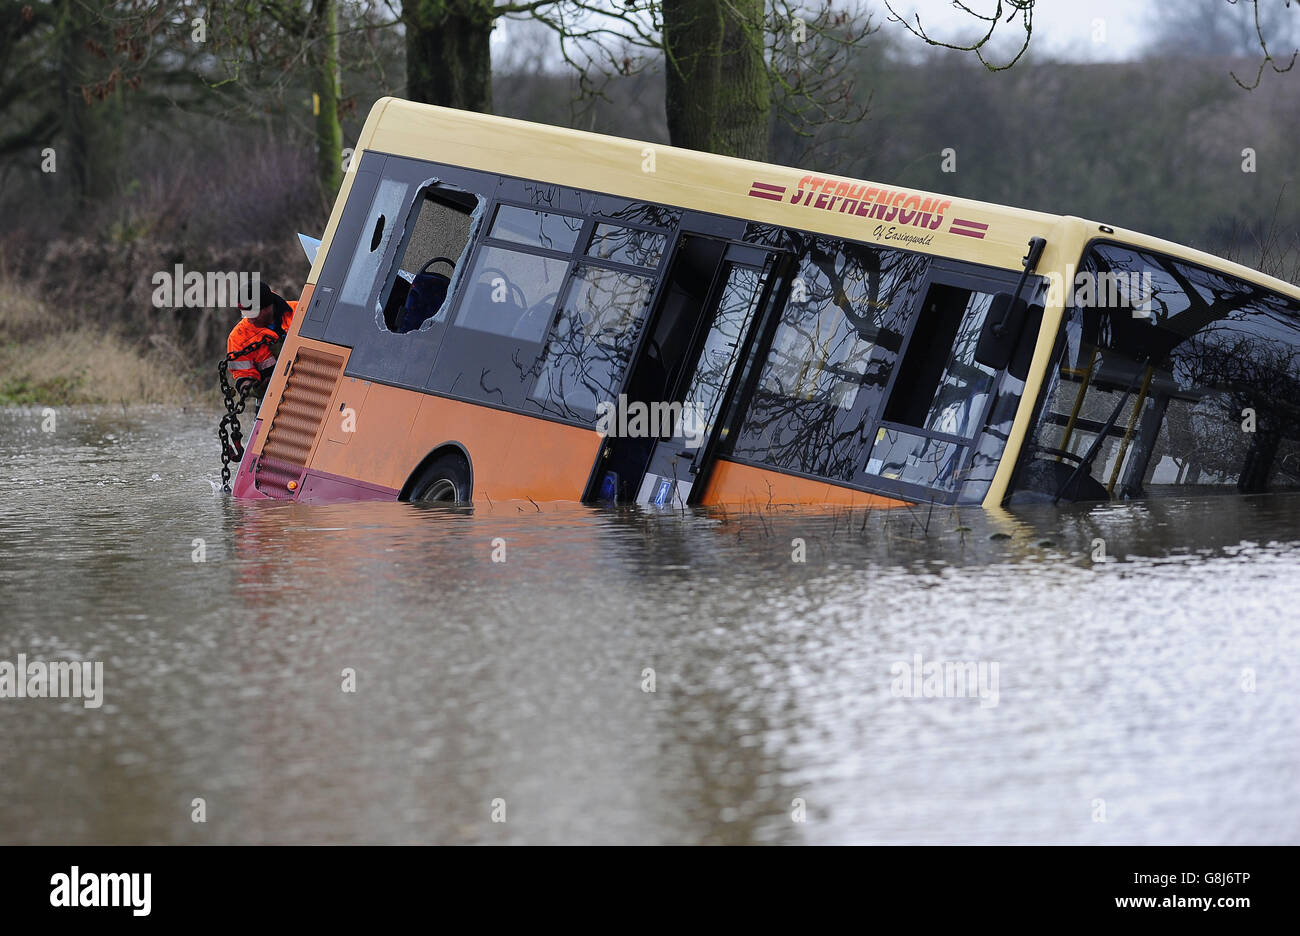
{"x": 236, "y": 398}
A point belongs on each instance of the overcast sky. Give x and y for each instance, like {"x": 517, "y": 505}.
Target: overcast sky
{"x": 1070, "y": 30}
{"x": 1062, "y": 28}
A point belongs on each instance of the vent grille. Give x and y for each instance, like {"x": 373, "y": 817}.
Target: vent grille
{"x": 297, "y": 421}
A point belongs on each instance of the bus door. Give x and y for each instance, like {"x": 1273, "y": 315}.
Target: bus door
{"x": 687, "y": 363}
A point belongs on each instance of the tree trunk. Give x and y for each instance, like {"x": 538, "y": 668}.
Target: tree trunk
{"x": 448, "y": 53}
{"x": 92, "y": 103}
{"x": 324, "y": 66}
{"x": 692, "y": 49}
{"x": 718, "y": 93}
{"x": 744, "y": 92}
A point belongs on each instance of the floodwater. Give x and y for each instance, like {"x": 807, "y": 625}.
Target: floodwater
{"x": 1150, "y": 697}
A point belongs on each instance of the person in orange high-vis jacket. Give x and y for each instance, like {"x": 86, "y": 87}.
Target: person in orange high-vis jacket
{"x": 270, "y": 322}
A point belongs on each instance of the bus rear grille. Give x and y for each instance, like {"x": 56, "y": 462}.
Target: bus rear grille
{"x": 297, "y": 420}
{"x": 273, "y": 476}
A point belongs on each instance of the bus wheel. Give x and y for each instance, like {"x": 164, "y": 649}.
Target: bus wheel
{"x": 445, "y": 481}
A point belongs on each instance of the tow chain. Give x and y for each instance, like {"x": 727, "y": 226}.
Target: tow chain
{"x": 236, "y": 398}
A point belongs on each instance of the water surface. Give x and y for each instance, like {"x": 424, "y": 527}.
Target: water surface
{"x": 1157, "y": 690}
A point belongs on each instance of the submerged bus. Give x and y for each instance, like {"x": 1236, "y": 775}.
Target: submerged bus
{"x": 501, "y": 310}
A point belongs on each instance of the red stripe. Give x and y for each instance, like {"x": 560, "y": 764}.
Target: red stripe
{"x": 774, "y": 196}
{"x": 770, "y": 188}
{"x": 957, "y": 230}
{"x": 958, "y": 222}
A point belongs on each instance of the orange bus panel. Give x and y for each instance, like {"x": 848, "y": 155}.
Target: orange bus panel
{"x": 511, "y": 456}
{"x": 732, "y": 483}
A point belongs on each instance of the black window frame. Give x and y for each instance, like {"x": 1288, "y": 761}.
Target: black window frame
{"x": 943, "y": 270}
{"x": 962, "y": 275}
{"x": 490, "y": 345}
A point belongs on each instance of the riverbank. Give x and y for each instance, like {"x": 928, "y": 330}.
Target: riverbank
{"x": 53, "y": 359}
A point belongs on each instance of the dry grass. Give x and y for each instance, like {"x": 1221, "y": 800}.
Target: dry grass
{"x": 45, "y": 363}
{"x": 21, "y": 314}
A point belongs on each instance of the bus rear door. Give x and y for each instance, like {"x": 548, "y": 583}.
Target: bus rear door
{"x": 684, "y": 372}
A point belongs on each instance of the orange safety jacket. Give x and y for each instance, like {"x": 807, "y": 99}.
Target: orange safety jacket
{"x": 260, "y": 361}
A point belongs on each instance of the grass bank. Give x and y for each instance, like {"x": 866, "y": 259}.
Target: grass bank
{"x": 56, "y": 359}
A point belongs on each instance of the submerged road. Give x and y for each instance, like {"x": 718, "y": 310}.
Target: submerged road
{"x": 393, "y": 673}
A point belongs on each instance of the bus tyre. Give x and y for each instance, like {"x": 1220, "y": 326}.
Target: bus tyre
{"x": 444, "y": 481}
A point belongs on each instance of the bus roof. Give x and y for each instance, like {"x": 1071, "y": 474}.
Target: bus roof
{"x": 805, "y": 199}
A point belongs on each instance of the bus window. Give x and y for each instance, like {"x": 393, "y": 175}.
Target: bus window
{"x": 547, "y": 316}
{"x": 436, "y": 242}
{"x": 539, "y": 228}
{"x": 915, "y": 458}
{"x": 940, "y": 385}
{"x": 628, "y": 245}
{"x": 592, "y": 342}
{"x": 830, "y": 359}
{"x": 939, "y": 398}
{"x": 717, "y": 360}
{"x": 1194, "y": 388}
{"x": 511, "y": 293}
{"x": 512, "y": 290}
{"x": 376, "y": 234}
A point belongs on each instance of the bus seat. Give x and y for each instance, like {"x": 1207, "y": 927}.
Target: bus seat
{"x": 532, "y": 324}
{"x": 1042, "y": 481}
{"x": 425, "y": 298}
{"x": 395, "y": 303}
{"x": 486, "y": 312}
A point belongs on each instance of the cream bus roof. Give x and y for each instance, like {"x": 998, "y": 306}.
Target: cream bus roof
{"x": 807, "y": 199}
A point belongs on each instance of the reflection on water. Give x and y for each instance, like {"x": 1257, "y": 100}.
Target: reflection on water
{"x": 1123, "y": 690}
